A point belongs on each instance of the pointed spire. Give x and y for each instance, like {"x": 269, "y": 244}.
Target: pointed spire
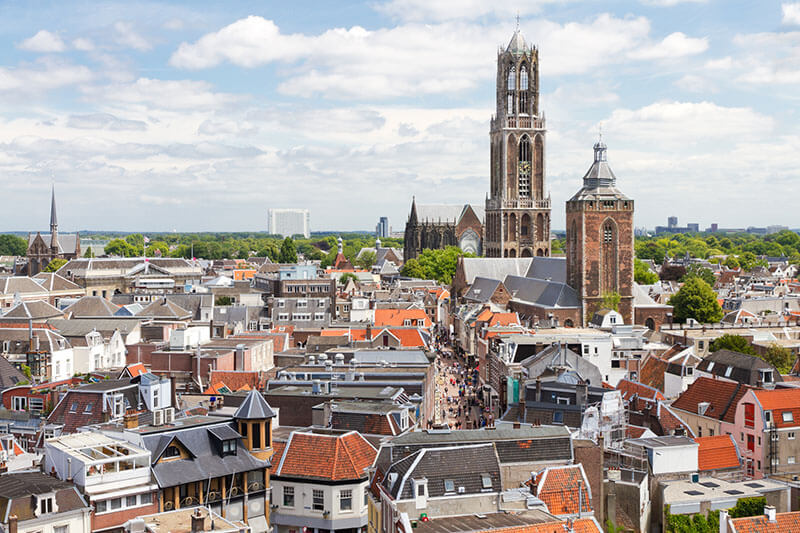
{"x": 53, "y": 219}
{"x": 340, "y": 245}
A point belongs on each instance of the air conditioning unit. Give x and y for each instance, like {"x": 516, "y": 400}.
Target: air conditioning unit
{"x": 158, "y": 417}
{"x": 169, "y": 415}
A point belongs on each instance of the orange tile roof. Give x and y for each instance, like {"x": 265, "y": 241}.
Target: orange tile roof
{"x": 237, "y": 379}
{"x": 333, "y": 333}
{"x": 277, "y": 446}
{"x": 583, "y": 525}
{"x": 721, "y": 394}
{"x": 643, "y": 395}
{"x": 409, "y": 338}
{"x": 396, "y": 317}
{"x": 504, "y": 319}
{"x": 560, "y": 488}
{"x": 136, "y": 369}
{"x": 779, "y": 401}
{"x": 484, "y": 315}
{"x": 329, "y": 457}
{"x": 717, "y": 452}
{"x": 784, "y": 523}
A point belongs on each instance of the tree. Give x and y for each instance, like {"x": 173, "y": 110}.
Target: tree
{"x": 642, "y": 273}
{"x": 734, "y": 343}
{"x": 412, "y": 269}
{"x": 120, "y": 248}
{"x": 697, "y": 300}
{"x": 13, "y": 245}
{"x": 347, "y": 276}
{"x": 672, "y": 272}
{"x": 366, "y": 260}
{"x": 89, "y": 253}
{"x": 611, "y": 300}
{"x": 158, "y": 248}
{"x": 55, "y": 264}
{"x": 732, "y": 263}
{"x": 288, "y": 251}
{"x": 779, "y": 357}
{"x": 700, "y": 271}
{"x": 136, "y": 240}
{"x": 748, "y": 507}
{"x": 223, "y": 301}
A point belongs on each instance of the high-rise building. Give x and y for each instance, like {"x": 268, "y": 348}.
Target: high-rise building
{"x": 518, "y": 210}
{"x": 383, "y": 229}
{"x": 672, "y": 222}
{"x": 289, "y": 222}
{"x": 600, "y": 240}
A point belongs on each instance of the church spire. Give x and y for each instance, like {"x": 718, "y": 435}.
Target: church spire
{"x": 53, "y": 219}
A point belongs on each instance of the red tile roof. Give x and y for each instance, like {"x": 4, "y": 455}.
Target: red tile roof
{"x": 784, "y": 523}
{"x": 721, "y": 394}
{"x": 136, "y": 369}
{"x": 781, "y": 401}
{"x": 560, "y": 488}
{"x": 328, "y": 457}
{"x": 504, "y": 319}
{"x": 717, "y": 452}
{"x": 484, "y": 315}
{"x": 238, "y": 379}
{"x": 397, "y": 317}
{"x": 652, "y": 372}
{"x": 639, "y": 395}
{"x": 670, "y": 421}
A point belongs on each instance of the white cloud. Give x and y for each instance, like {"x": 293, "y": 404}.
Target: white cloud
{"x": 674, "y": 45}
{"x": 769, "y": 57}
{"x": 127, "y": 36}
{"x": 164, "y": 94}
{"x": 723, "y": 63}
{"x": 791, "y": 14}
{"x": 671, "y": 3}
{"x": 83, "y": 44}
{"x": 44, "y": 74}
{"x": 43, "y": 41}
{"x": 104, "y": 121}
{"x": 411, "y": 58}
{"x": 695, "y": 84}
{"x": 443, "y": 10}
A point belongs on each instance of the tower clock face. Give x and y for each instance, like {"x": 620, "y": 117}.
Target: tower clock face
{"x": 524, "y": 167}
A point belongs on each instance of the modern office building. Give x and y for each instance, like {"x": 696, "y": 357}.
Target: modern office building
{"x": 288, "y": 222}
{"x": 383, "y": 229}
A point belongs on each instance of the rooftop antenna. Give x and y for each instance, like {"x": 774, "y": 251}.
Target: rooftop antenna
{"x": 517, "y": 19}
{"x": 600, "y": 131}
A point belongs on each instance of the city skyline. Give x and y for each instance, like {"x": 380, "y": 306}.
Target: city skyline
{"x": 198, "y": 118}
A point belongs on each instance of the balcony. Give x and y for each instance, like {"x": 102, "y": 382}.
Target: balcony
{"x": 522, "y": 203}
{"x": 518, "y": 121}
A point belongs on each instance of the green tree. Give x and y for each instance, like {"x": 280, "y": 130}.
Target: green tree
{"x": 136, "y": 240}
{"x": 412, "y": 269}
{"x": 701, "y": 272}
{"x": 697, "y": 300}
{"x": 89, "y": 253}
{"x": 748, "y": 507}
{"x": 642, "y": 273}
{"x": 732, "y": 263}
{"x": 288, "y": 251}
{"x": 779, "y": 357}
{"x": 120, "y": 247}
{"x": 366, "y": 260}
{"x": 13, "y": 245}
{"x": 748, "y": 261}
{"x": 55, "y": 264}
{"x": 347, "y": 276}
{"x": 734, "y": 343}
{"x": 440, "y": 264}
{"x": 223, "y": 301}
{"x": 158, "y": 246}
{"x": 611, "y": 300}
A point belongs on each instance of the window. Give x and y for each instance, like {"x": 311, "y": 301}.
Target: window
{"x": 699, "y": 431}
{"x": 585, "y": 349}
{"x": 172, "y": 451}
{"x": 256, "y": 437}
{"x": 19, "y": 403}
{"x": 288, "y": 496}
{"x": 283, "y": 316}
{"x": 88, "y": 408}
{"x": 768, "y": 416}
{"x": 115, "y": 504}
{"x": 523, "y": 78}
{"x": 728, "y": 371}
{"x": 710, "y": 432}
{"x": 486, "y": 481}
{"x": 365, "y": 497}
{"x": 145, "y": 498}
{"x": 710, "y": 366}
{"x": 790, "y": 435}
{"x": 155, "y": 398}
{"x": 615, "y": 363}
{"x": 100, "y": 507}
{"x": 302, "y": 304}
{"x": 281, "y": 304}
{"x": 608, "y": 233}
{"x": 130, "y": 501}
{"x": 61, "y": 529}
{"x": 787, "y": 416}
{"x": 790, "y": 460}
{"x": 421, "y": 489}
{"x": 318, "y": 500}
{"x": 407, "y": 322}
{"x": 512, "y": 79}
{"x": 74, "y": 407}
{"x": 319, "y": 316}
{"x": 46, "y": 505}
{"x": 759, "y": 441}
{"x": 346, "y": 500}
{"x": 700, "y": 344}
{"x": 321, "y": 303}
{"x": 449, "y": 485}
{"x": 558, "y": 417}
{"x": 229, "y": 447}
{"x": 562, "y": 401}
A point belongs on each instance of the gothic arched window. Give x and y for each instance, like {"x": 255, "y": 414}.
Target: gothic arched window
{"x": 524, "y": 167}
{"x": 523, "y": 89}
{"x": 523, "y": 78}
{"x": 512, "y": 78}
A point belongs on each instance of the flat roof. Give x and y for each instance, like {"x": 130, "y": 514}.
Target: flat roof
{"x": 453, "y": 524}
{"x": 338, "y": 392}
{"x": 82, "y": 444}
{"x": 428, "y": 436}
{"x": 180, "y": 521}
{"x": 709, "y": 488}
{"x": 663, "y": 442}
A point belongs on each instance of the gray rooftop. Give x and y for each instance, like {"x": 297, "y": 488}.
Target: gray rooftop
{"x": 254, "y": 407}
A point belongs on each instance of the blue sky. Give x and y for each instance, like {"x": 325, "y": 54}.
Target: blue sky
{"x": 196, "y": 116}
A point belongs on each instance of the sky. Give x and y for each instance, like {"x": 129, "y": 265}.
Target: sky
{"x": 199, "y": 116}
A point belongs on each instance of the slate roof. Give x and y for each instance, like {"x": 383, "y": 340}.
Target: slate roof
{"x": 19, "y": 339}
{"x": 541, "y": 292}
{"x": 436, "y": 213}
{"x": 717, "y": 452}
{"x": 67, "y": 242}
{"x": 254, "y": 407}
{"x": 494, "y": 267}
{"x": 564, "y": 489}
{"x": 744, "y": 368}
{"x": 324, "y": 456}
{"x": 91, "y": 306}
{"x": 722, "y": 395}
{"x": 19, "y": 284}
{"x": 9, "y": 375}
{"x": 482, "y": 290}
{"x": 17, "y": 489}
{"x": 548, "y": 268}
{"x": 445, "y": 463}
{"x": 53, "y": 282}
{"x": 78, "y": 327}
{"x": 205, "y": 460}
{"x": 36, "y": 310}
{"x": 165, "y": 308}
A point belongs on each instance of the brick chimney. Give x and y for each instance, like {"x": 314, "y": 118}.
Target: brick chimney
{"x": 198, "y": 521}
{"x": 12, "y": 524}
{"x": 131, "y": 421}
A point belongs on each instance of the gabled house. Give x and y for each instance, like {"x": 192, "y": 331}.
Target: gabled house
{"x": 32, "y": 501}
{"x": 709, "y": 406}
{"x": 565, "y": 490}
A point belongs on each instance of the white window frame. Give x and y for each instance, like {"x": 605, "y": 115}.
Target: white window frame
{"x": 346, "y": 495}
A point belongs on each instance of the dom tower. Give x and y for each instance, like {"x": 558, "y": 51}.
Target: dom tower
{"x": 517, "y": 210}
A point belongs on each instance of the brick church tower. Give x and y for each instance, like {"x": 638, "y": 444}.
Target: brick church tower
{"x": 600, "y": 240}
{"x": 517, "y": 220}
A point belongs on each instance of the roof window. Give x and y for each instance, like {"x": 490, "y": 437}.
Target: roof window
{"x": 486, "y": 481}
{"x": 449, "y": 485}
{"x": 787, "y": 416}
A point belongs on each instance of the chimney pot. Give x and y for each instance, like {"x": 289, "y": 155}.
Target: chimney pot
{"x": 12, "y": 523}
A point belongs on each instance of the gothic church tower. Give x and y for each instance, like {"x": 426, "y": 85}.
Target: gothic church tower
{"x": 600, "y": 240}
{"x": 517, "y": 211}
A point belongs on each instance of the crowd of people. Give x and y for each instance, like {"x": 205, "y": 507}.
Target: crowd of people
{"x": 460, "y": 396}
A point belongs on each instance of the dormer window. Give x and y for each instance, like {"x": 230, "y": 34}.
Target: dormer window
{"x": 788, "y": 416}
{"x": 45, "y": 504}
{"x": 172, "y": 451}
{"x": 229, "y": 447}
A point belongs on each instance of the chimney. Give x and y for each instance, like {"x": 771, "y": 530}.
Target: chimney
{"x": 198, "y": 521}
{"x": 581, "y": 393}
{"x": 12, "y": 524}
{"x": 131, "y": 421}
{"x": 723, "y": 521}
{"x": 611, "y": 502}
{"x": 769, "y": 511}
{"x": 538, "y": 389}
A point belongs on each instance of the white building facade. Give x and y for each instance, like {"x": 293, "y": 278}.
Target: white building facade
{"x": 289, "y": 222}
